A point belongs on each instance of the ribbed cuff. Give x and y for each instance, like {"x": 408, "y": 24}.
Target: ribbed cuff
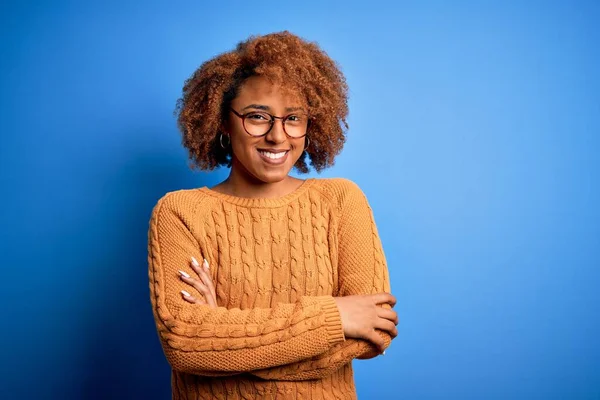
{"x": 333, "y": 321}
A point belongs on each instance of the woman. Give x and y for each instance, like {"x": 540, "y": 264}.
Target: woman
{"x": 267, "y": 286}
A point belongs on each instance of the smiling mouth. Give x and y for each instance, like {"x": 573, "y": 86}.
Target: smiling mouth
{"x": 273, "y": 155}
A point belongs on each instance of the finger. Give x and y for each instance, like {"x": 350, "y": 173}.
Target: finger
{"x": 210, "y": 296}
{"x": 196, "y": 284}
{"x": 201, "y": 270}
{"x": 200, "y": 287}
{"x": 376, "y": 339}
{"x": 387, "y": 326}
{"x": 191, "y": 299}
{"x": 208, "y": 279}
{"x": 388, "y": 314}
{"x": 211, "y": 284}
{"x": 384, "y": 298}
{"x": 209, "y": 293}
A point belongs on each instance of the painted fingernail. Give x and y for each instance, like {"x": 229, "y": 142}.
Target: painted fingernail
{"x": 184, "y": 274}
{"x": 186, "y": 294}
{"x": 205, "y": 264}
{"x": 195, "y": 262}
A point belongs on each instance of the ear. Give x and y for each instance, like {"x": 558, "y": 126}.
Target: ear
{"x": 224, "y": 128}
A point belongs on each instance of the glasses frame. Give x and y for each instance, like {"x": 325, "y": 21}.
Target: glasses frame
{"x": 272, "y": 123}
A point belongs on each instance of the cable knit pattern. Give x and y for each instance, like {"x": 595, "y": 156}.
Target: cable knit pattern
{"x": 277, "y": 265}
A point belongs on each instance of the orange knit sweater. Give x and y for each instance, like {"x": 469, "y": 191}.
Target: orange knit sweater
{"x": 276, "y": 264}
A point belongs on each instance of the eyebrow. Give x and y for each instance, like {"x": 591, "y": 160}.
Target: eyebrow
{"x": 267, "y": 108}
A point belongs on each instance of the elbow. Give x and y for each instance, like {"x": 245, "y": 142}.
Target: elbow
{"x": 178, "y": 361}
{"x": 181, "y": 358}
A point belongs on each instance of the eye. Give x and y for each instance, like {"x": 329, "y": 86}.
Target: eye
{"x": 255, "y": 116}
{"x": 295, "y": 119}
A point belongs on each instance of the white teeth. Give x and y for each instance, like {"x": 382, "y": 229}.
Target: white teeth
{"x": 273, "y": 156}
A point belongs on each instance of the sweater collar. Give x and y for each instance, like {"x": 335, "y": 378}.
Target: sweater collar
{"x": 260, "y": 202}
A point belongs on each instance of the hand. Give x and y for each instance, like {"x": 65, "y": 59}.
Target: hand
{"x": 204, "y": 285}
{"x": 362, "y": 314}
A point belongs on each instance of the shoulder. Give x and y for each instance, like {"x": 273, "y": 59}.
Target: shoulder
{"x": 184, "y": 203}
{"x": 340, "y": 191}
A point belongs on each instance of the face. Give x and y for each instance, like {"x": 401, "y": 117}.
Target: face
{"x": 268, "y": 158}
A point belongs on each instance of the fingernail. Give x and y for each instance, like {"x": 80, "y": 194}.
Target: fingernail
{"x": 195, "y": 262}
{"x": 206, "y": 264}
{"x": 383, "y": 354}
{"x": 184, "y": 274}
{"x": 186, "y": 294}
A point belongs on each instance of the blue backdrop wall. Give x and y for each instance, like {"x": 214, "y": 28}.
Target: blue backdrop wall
{"x": 474, "y": 133}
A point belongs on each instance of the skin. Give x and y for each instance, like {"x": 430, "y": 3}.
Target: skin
{"x": 251, "y": 176}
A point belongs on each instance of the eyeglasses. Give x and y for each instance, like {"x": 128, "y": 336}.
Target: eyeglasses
{"x": 259, "y": 123}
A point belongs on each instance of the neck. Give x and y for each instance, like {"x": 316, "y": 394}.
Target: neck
{"x": 242, "y": 184}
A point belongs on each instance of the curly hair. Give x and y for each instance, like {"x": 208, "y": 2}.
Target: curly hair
{"x": 285, "y": 59}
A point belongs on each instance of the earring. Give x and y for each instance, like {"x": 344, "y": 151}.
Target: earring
{"x": 221, "y": 141}
{"x": 308, "y": 139}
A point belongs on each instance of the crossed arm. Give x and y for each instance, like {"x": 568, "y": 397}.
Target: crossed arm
{"x": 297, "y": 341}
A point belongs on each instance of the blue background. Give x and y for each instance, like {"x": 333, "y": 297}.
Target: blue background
{"x": 474, "y": 133}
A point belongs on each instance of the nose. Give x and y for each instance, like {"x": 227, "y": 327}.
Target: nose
{"x": 276, "y": 134}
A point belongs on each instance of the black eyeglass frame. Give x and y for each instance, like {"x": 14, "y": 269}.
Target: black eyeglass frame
{"x": 272, "y": 123}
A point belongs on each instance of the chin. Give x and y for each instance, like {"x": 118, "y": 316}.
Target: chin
{"x": 271, "y": 173}
{"x": 255, "y": 168}
{"x": 272, "y": 176}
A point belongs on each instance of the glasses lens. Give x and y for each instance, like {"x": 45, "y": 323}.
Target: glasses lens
{"x": 257, "y": 123}
{"x": 296, "y": 125}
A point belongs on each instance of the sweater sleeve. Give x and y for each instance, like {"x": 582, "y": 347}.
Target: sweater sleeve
{"x": 201, "y": 340}
{"x": 362, "y": 269}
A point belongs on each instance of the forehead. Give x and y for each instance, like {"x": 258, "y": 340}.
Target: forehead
{"x": 258, "y": 89}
